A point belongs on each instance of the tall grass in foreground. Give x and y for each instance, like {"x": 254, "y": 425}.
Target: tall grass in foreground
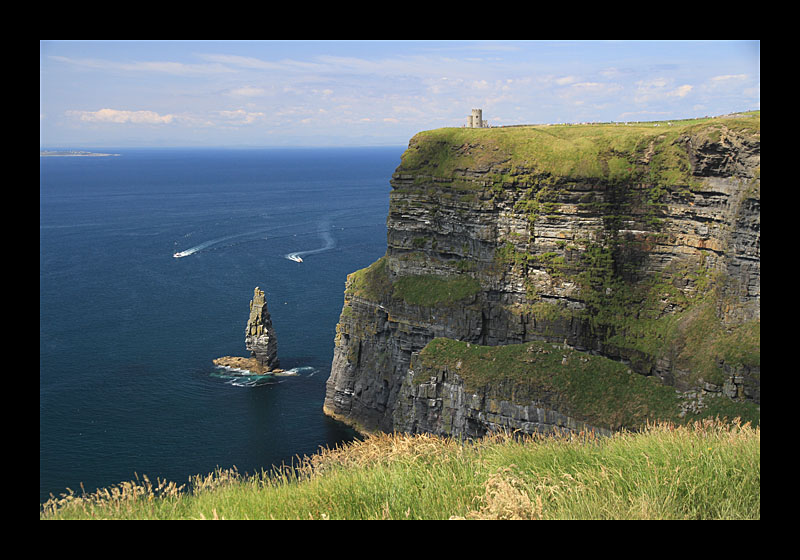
{"x": 707, "y": 470}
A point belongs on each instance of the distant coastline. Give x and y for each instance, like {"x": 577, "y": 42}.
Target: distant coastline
{"x": 71, "y": 153}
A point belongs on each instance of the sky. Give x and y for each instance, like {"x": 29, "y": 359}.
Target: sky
{"x": 372, "y": 93}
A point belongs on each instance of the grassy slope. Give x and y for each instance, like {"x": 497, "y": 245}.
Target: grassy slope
{"x": 600, "y": 151}
{"x": 707, "y": 470}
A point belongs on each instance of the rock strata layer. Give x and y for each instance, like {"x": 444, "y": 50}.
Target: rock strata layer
{"x": 260, "y": 337}
{"x": 640, "y": 244}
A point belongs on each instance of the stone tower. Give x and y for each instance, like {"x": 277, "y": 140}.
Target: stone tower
{"x": 259, "y": 336}
{"x": 475, "y": 120}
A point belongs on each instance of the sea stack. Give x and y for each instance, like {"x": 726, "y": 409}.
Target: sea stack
{"x": 260, "y": 337}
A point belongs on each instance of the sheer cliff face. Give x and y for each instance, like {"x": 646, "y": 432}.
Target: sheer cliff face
{"x": 637, "y": 243}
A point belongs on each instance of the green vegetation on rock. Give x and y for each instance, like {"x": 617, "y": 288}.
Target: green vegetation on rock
{"x": 373, "y": 283}
{"x": 431, "y": 290}
{"x": 615, "y": 152}
{"x": 370, "y": 283}
{"x": 592, "y": 389}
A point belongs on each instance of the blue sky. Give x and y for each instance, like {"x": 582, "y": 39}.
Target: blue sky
{"x": 362, "y": 93}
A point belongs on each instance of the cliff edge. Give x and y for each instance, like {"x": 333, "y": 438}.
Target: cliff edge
{"x": 621, "y": 253}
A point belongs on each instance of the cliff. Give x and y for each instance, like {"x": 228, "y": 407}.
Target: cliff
{"x": 620, "y": 246}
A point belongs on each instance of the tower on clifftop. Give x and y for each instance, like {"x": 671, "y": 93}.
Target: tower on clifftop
{"x": 475, "y": 120}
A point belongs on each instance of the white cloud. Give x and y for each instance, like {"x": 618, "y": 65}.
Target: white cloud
{"x": 581, "y": 92}
{"x": 164, "y": 67}
{"x": 595, "y": 87}
{"x": 248, "y": 91}
{"x": 566, "y": 80}
{"x": 123, "y": 117}
{"x": 728, "y": 77}
{"x": 611, "y": 73}
{"x": 253, "y": 63}
{"x": 659, "y": 89}
{"x": 681, "y": 91}
{"x": 240, "y": 116}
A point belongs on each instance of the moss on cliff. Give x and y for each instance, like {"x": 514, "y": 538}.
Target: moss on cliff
{"x": 370, "y": 283}
{"x": 374, "y": 283}
{"x": 592, "y": 389}
{"x": 430, "y": 290}
{"x": 650, "y": 318}
{"x": 589, "y": 388}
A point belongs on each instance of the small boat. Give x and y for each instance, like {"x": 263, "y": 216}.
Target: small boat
{"x": 295, "y": 258}
{"x": 178, "y": 255}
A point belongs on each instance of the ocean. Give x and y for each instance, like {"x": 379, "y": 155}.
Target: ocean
{"x": 128, "y": 332}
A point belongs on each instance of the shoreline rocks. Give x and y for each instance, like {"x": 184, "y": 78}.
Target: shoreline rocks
{"x": 247, "y": 364}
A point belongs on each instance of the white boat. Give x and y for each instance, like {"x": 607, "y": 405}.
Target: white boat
{"x": 295, "y": 258}
{"x": 178, "y": 255}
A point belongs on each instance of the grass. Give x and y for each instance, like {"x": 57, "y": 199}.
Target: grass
{"x": 373, "y": 283}
{"x": 431, "y": 290}
{"x": 607, "y": 151}
{"x": 708, "y": 469}
{"x": 592, "y": 389}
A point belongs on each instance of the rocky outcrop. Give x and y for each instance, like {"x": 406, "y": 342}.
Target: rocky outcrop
{"x": 260, "y": 337}
{"x": 640, "y": 244}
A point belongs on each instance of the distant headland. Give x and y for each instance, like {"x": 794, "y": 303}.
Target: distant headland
{"x": 71, "y": 153}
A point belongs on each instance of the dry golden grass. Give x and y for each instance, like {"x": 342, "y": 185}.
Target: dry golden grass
{"x": 709, "y": 469}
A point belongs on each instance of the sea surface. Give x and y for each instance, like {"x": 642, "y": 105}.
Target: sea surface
{"x": 128, "y": 332}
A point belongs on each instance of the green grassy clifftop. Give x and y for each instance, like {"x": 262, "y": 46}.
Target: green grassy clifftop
{"x": 654, "y": 152}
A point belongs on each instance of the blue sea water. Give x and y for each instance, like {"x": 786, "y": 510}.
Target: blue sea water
{"x": 127, "y": 332}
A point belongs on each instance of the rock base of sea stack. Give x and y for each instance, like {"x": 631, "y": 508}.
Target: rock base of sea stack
{"x": 251, "y": 365}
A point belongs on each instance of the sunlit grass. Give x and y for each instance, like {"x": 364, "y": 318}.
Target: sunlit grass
{"x": 706, "y": 470}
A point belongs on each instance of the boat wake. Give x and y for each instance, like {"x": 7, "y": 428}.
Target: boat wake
{"x": 211, "y": 243}
{"x": 327, "y": 238}
{"x": 324, "y": 231}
